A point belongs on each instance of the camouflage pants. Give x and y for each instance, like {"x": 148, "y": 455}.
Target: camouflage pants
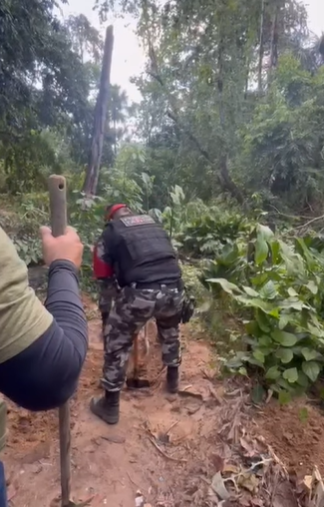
{"x": 107, "y": 293}
{"x": 132, "y": 309}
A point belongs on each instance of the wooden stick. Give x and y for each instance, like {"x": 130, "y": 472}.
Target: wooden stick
{"x": 171, "y": 458}
{"x": 58, "y": 210}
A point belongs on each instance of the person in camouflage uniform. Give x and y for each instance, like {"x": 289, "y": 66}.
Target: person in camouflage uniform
{"x": 132, "y": 309}
{"x": 138, "y": 253}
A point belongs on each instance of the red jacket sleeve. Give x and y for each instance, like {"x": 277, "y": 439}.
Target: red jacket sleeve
{"x": 100, "y": 268}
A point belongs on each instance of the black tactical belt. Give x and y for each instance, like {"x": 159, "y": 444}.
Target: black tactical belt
{"x": 157, "y": 286}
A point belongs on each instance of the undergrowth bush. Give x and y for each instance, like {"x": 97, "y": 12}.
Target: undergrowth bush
{"x": 278, "y": 288}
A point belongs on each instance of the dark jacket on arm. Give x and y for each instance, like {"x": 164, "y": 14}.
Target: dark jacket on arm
{"x": 42, "y": 372}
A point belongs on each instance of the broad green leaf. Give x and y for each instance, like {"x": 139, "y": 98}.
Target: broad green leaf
{"x": 268, "y": 291}
{"x": 251, "y": 292}
{"x": 253, "y": 329}
{"x": 227, "y": 286}
{"x": 266, "y": 350}
{"x": 294, "y": 262}
{"x": 273, "y": 373}
{"x": 255, "y": 362}
{"x": 262, "y": 321}
{"x": 291, "y": 375}
{"x": 265, "y": 341}
{"x": 275, "y": 249}
{"x": 264, "y": 232}
{"x": 283, "y": 321}
{"x": 309, "y": 354}
{"x": 292, "y": 292}
{"x": 302, "y": 249}
{"x": 284, "y": 398}
{"x": 257, "y": 394}
{"x": 313, "y": 318}
{"x": 229, "y": 255}
{"x": 302, "y": 379}
{"x": 259, "y": 356}
{"x": 261, "y": 251}
{"x": 285, "y": 339}
{"x": 292, "y": 304}
{"x": 315, "y": 331}
{"x": 234, "y": 363}
{"x": 285, "y": 355}
{"x": 311, "y": 369}
{"x": 284, "y": 384}
{"x": 242, "y": 371}
{"x": 312, "y": 287}
{"x": 259, "y": 279}
{"x": 265, "y": 306}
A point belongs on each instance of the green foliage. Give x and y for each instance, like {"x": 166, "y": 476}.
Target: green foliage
{"x": 22, "y": 223}
{"x": 206, "y": 234}
{"x": 230, "y": 128}
{"x": 280, "y": 290}
{"x": 284, "y": 140}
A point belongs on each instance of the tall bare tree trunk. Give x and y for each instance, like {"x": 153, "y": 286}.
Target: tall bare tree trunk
{"x": 100, "y": 119}
{"x": 274, "y": 42}
{"x": 261, "y": 49}
{"x": 225, "y": 178}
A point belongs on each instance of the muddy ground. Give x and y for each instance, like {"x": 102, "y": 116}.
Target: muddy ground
{"x": 168, "y": 447}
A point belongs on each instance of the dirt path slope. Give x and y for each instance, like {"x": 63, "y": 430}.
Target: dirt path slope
{"x": 168, "y": 447}
{"x": 112, "y": 463}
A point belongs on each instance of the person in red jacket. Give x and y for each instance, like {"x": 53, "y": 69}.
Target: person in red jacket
{"x": 137, "y": 252}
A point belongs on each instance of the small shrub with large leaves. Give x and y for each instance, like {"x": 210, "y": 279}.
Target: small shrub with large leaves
{"x": 206, "y": 234}
{"x": 281, "y": 291}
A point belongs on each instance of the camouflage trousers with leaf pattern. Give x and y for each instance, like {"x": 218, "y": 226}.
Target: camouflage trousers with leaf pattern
{"x": 107, "y": 294}
{"x": 132, "y": 309}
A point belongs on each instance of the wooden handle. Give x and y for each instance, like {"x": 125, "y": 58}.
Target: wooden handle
{"x": 58, "y": 211}
{"x": 58, "y": 207}
{"x": 65, "y": 449}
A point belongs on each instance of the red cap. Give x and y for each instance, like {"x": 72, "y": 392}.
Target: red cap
{"x": 113, "y": 210}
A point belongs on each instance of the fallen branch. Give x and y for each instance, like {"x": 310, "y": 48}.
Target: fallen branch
{"x": 310, "y": 222}
{"x": 171, "y": 458}
{"x": 171, "y": 427}
{"x": 131, "y": 480}
{"x": 114, "y": 439}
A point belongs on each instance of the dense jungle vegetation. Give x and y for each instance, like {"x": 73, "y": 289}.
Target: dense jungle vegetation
{"x": 226, "y": 147}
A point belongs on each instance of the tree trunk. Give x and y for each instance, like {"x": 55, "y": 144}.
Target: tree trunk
{"x": 100, "y": 119}
{"x": 274, "y": 42}
{"x": 225, "y": 178}
{"x": 261, "y": 49}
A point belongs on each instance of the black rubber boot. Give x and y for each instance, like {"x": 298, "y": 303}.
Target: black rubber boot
{"x": 173, "y": 379}
{"x": 107, "y": 407}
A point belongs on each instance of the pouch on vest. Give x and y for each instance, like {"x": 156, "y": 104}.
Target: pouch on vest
{"x": 188, "y": 309}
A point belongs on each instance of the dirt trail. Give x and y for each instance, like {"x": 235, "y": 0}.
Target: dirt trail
{"x": 111, "y": 463}
{"x": 164, "y": 445}
{"x": 296, "y": 433}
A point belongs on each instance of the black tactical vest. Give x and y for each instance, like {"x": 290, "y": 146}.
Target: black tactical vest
{"x": 143, "y": 251}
